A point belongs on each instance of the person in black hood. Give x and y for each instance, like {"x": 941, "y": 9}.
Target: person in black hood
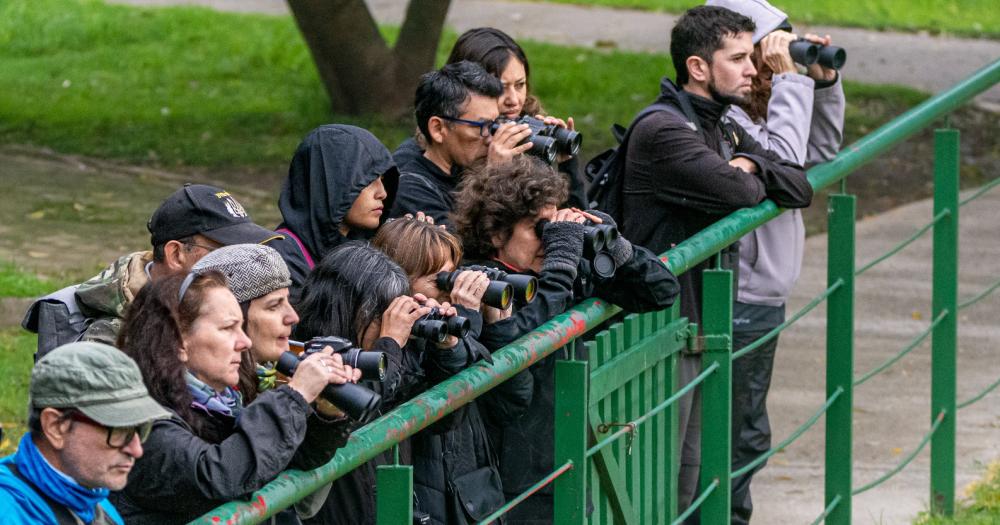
{"x": 340, "y": 183}
{"x": 687, "y": 166}
{"x": 498, "y": 212}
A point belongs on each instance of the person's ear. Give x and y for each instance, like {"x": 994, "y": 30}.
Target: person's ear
{"x": 55, "y": 427}
{"x": 174, "y": 253}
{"x": 698, "y": 68}
{"x": 182, "y": 353}
{"x": 497, "y": 241}
{"x": 438, "y": 129}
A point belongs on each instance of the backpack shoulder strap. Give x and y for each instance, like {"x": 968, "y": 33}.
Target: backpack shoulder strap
{"x": 302, "y": 247}
{"x": 62, "y": 513}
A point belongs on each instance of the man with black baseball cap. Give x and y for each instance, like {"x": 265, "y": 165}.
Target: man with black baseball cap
{"x": 88, "y": 414}
{"x": 189, "y": 224}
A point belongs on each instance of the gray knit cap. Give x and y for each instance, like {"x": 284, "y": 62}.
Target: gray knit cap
{"x": 253, "y": 270}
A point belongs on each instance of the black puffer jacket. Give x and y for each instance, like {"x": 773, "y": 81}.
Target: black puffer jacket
{"x": 182, "y": 476}
{"x": 327, "y": 173}
{"x": 525, "y": 446}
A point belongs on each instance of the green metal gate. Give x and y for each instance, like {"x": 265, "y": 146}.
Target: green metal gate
{"x": 616, "y": 425}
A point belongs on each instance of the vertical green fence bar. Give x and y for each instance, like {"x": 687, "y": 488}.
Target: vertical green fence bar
{"x": 716, "y": 394}
{"x": 944, "y": 339}
{"x": 668, "y": 429}
{"x": 395, "y": 494}
{"x": 571, "y": 442}
{"x": 840, "y": 357}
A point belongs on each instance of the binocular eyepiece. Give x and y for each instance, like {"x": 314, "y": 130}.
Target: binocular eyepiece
{"x": 547, "y": 139}
{"x": 808, "y": 53}
{"x": 597, "y": 240}
{"x": 435, "y": 327}
{"x": 358, "y": 402}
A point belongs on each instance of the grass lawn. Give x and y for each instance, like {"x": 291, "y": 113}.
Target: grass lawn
{"x": 194, "y": 87}
{"x": 979, "y": 18}
{"x": 16, "y": 283}
{"x": 16, "y": 350}
{"x": 981, "y": 506}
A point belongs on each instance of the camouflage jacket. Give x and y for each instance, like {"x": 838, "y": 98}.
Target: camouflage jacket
{"x": 106, "y": 296}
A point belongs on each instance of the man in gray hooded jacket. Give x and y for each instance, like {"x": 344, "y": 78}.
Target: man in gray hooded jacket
{"x": 801, "y": 118}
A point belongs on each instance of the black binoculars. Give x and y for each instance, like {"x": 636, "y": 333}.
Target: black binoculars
{"x": 547, "y": 139}
{"x": 525, "y": 286}
{"x": 503, "y": 287}
{"x": 498, "y": 293}
{"x": 598, "y": 239}
{"x": 358, "y": 402}
{"x": 808, "y": 53}
{"x": 435, "y": 327}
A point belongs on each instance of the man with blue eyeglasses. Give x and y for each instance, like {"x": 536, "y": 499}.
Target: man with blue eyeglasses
{"x": 88, "y": 414}
{"x": 455, "y": 108}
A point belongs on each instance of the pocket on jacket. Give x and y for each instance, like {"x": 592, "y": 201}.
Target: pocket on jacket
{"x": 479, "y": 492}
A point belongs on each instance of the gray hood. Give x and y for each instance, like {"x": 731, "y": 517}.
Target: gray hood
{"x": 764, "y": 15}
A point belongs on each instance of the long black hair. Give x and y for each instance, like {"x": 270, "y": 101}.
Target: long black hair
{"x": 347, "y": 291}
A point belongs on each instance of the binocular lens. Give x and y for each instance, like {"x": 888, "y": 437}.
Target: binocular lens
{"x": 371, "y": 364}
{"x": 430, "y": 329}
{"x": 603, "y": 265}
{"x": 832, "y": 57}
{"x": 544, "y": 147}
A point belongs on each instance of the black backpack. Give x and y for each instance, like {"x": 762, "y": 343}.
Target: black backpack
{"x": 605, "y": 172}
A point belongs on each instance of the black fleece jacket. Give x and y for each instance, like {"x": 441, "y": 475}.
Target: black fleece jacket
{"x": 327, "y": 173}
{"x": 677, "y": 182}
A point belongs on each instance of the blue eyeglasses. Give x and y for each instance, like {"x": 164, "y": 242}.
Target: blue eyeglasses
{"x": 484, "y": 126}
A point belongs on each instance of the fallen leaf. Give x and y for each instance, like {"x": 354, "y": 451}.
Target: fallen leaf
{"x": 38, "y": 255}
{"x": 36, "y": 214}
{"x": 916, "y": 315}
{"x": 897, "y": 451}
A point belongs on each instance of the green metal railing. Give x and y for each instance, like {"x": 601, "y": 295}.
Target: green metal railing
{"x": 616, "y": 435}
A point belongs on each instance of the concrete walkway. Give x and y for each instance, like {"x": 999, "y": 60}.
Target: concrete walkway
{"x": 892, "y": 410}
{"x": 921, "y": 61}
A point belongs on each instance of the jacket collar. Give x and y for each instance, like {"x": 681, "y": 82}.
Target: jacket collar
{"x": 708, "y": 111}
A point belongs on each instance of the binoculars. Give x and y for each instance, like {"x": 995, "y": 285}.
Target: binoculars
{"x": 598, "y": 239}
{"x": 358, "y": 402}
{"x": 547, "y": 139}
{"x": 503, "y": 287}
{"x": 435, "y": 327}
{"x": 808, "y": 53}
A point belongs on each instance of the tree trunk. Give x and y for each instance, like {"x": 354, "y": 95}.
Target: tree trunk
{"x": 361, "y": 74}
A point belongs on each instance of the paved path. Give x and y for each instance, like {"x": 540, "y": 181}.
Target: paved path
{"x": 891, "y": 411}
{"x": 928, "y": 63}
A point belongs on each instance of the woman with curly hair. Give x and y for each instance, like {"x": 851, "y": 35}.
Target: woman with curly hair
{"x": 499, "y": 213}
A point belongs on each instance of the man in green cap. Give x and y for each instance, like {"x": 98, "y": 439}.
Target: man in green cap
{"x": 88, "y": 413}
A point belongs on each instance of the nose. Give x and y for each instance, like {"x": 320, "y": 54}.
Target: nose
{"x": 291, "y": 317}
{"x": 242, "y": 342}
{"x": 380, "y": 193}
{"x": 133, "y": 447}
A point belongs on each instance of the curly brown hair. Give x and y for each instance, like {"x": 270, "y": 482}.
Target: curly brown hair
{"x": 492, "y": 199}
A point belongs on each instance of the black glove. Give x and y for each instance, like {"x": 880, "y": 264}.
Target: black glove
{"x": 563, "y": 242}
{"x": 621, "y": 251}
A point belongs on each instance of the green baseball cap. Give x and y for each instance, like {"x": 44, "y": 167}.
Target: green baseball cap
{"x": 96, "y": 379}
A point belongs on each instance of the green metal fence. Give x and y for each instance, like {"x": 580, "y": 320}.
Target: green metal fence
{"x": 616, "y": 425}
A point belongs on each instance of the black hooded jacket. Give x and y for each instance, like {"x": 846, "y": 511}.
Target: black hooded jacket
{"x": 327, "y": 173}
{"x": 677, "y": 181}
